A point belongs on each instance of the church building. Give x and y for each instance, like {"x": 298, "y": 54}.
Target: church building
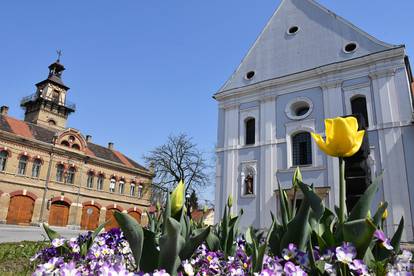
{"x": 309, "y": 64}
{"x": 54, "y": 174}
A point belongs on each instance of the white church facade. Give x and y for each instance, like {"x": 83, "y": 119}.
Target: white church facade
{"x": 309, "y": 64}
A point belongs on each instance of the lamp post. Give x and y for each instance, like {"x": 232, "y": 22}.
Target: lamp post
{"x": 187, "y": 201}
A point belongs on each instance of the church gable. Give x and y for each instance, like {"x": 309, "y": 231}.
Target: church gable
{"x": 302, "y": 35}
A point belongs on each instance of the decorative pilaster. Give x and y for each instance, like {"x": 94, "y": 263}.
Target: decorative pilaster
{"x": 75, "y": 215}
{"x": 4, "y": 207}
{"x": 333, "y": 107}
{"x": 267, "y": 164}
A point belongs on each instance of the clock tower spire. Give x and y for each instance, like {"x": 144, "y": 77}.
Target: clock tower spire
{"x": 48, "y": 105}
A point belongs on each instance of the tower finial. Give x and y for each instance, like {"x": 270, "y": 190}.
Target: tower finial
{"x": 59, "y": 53}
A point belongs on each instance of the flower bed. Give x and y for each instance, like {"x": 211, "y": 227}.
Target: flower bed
{"x": 110, "y": 254}
{"x": 312, "y": 240}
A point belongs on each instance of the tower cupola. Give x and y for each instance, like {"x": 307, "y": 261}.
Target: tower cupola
{"x": 48, "y": 106}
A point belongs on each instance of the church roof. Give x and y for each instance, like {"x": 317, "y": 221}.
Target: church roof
{"x": 42, "y": 134}
{"x": 320, "y": 39}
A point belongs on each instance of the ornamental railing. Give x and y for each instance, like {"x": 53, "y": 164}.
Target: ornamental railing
{"x": 35, "y": 96}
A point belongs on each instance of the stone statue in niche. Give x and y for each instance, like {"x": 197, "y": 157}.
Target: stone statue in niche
{"x": 248, "y": 183}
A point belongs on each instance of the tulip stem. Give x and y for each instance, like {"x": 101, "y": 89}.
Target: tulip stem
{"x": 342, "y": 191}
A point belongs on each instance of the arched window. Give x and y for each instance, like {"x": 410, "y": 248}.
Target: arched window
{"x": 21, "y": 169}
{"x": 140, "y": 190}
{"x": 65, "y": 143}
{"x": 99, "y": 183}
{"x": 112, "y": 185}
{"x": 90, "y": 180}
{"x": 250, "y": 126}
{"x": 76, "y": 147}
{"x": 121, "y": 187}
{"x": 51, "y": 122}
{"x": 132, "y": 190}
{"x": 3, "y": 160}
{"x": 70, "y": 176}
{"x": 301, "y": 149}
{"x": 37, "y": 164}
{"x": 60, "y": 172}
{"x": 359, "y": 107}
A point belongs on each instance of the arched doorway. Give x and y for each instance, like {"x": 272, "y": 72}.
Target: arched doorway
{"x": 110, "y": 218}
{"x": 20, "y": 210}
{"x": 136, "y": 215}
{"x": 59, "y": 213}
{"x": 90, "y": 217}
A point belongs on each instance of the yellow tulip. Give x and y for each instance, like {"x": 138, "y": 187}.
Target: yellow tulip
{"x": 342, "y": 137}
{"x": 177, "y": 198}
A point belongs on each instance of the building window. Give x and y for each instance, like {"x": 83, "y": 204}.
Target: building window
{"x": 3, "y": 160}
{"x": 121, "y": 187}
{"x": 302, "y": 149}
{"x": 76, "y": 147}
{"x": 70, "y": 176}
{"x": 55, "y": 96}
{"x": 65, "y": 143}
{"x": 21, "y": 169}
{"x": 89, "y": 181}
{"x": 60, "y": 172}
{"x": 112, "y": 185}
{"x": 359, "y": 107}
{"x": 132, "y": 190}
{"x": 100, "y": 182}
{"x": 51, "y": 123}
{"x": 140, "y": 191}
{"x": 37, "y": 164}
{"x": 250, "y": 131}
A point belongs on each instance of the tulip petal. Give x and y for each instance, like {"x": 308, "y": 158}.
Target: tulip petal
{"x": 352, "y": 123}
{"x": 359, "y": 138}
{"x": 321, "y": 144}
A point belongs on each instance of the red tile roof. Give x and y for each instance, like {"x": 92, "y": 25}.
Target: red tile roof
{"x": 19, "y": 127}
{"x": 33, "y": 131}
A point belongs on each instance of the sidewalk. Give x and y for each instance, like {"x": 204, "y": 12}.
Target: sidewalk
{"x": 17, "y": 233}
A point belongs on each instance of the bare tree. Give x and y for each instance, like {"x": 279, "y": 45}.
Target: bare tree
{"x": 178, "y": 159}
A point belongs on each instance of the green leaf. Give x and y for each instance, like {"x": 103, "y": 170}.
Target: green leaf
{"x": 195, "y": 241}
{"x": 213, "y": 242}
{"x": 314, "y": 200}
{"x": 283, "y": 207}
{"x": 149, "y": 260}
{"x": 52, "y": 234}
{"x": 133, "y": 233}
{"x": 171, "y": 244}
{"x": 167, "y": 212}
{"x": 396, "y": 239}
{"x": 362, "y": 207}
{"x": 359, "y": 233}
{"x": 298, "y": 230}
{"x": 259, "y": 258}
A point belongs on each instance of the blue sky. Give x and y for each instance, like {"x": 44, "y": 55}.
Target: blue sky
{"x": 140, "y": 70}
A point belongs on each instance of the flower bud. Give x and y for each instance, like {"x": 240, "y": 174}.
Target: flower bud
{"x": 297, "y": 177}
{"x": 205, "y": 209}
{"x": 230, "y": 201}
{"x": 177, "y": 198}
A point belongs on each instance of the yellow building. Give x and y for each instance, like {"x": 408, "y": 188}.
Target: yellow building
{"x": 51, "y": 173}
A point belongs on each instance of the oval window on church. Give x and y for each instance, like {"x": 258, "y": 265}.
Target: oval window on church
{"x": 250, "y": 75}
{"x": 293, "y": 30}
{"x": 299, "y": 108}
{"x": 350, "y": 47}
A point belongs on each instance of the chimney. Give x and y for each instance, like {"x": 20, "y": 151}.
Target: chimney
{"x": 88, "y": 138}
{"x": 110, "y": 145}
{"x": 4, "y": 110}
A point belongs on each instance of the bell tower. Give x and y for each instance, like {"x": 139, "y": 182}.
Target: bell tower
{"x": 48, "y": 105}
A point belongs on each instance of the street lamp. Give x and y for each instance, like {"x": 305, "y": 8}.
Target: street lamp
{"x": 187, "y": 201}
